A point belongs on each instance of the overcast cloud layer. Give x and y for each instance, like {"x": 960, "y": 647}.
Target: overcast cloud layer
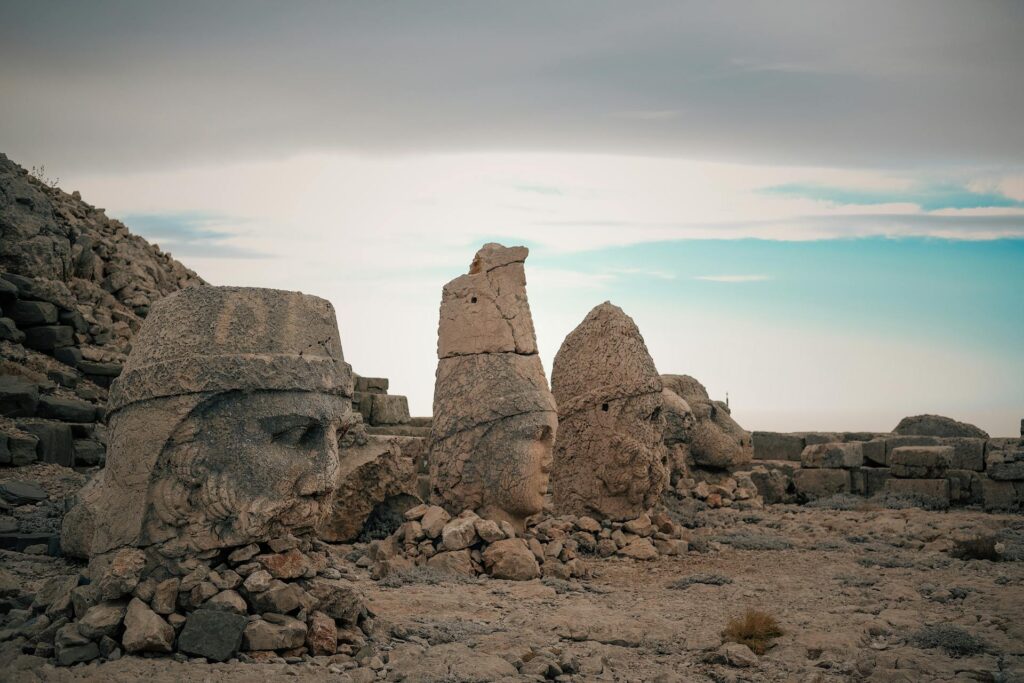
{"x": 812, "y": 83}
{"x": 817, "y": 207}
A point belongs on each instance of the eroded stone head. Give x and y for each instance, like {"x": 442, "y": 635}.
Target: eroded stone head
{"x": 224, "y": 425}
{"x": 714, "y": 438}
{"x": 609, "y": 459}
{"x": 494, "y": 417}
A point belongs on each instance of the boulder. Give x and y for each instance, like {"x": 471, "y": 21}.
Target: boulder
{"x": 29, "y": 313}
{"x": 716, "y": 440}
{"x": 610, "y": 459}
{"x": 102, "y": 620}
{"x": 322, "y": 635}
{"x": 274, "y": 632}
{"x": 511, "y": 559}
{"x": 453, "y": 561}
{"x": 937, "y": 425}
{"x": 213, "y": 634}
{"x": 145, "y": 631}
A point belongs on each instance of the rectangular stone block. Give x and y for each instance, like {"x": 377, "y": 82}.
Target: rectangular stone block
{"x": 920, "y": 462}
{"x": 874, "y": 452}
{"x": 56, "y": 444}
{"x": 999, "y": 495}
{"x": 874, "y": 479}
{"x": 777, "y": 446}
{"x": 930, "y": 492}
{"x": 964, "y": 486}
{"x": 892, "y": 442}
{"x": 389, "y": 410}
{"x": 1005, "y": 465}
{"x": 372, "y": 385}
{"x": 811, "y": 438}
{"x": 811, "y": 484}
{"x": 29, "y": 313}
{"x": 968, "y": 452}
{"x": 49, "y": 337}
{"x": 828, "y": 455}
{"x": 858, "y": 482}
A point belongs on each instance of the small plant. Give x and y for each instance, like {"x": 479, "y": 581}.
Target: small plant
{"x": 705, "y": 579}
{"x": 39, "y": 173}
{"x": 754, "y": 629}
{"x": 953, "y": 640}
{"x": 978, "y": 548}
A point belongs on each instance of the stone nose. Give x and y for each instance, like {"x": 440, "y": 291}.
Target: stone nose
{"x": 323, "y": 470}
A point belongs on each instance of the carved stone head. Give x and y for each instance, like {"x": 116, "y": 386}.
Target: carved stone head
{"x": 609, "y": 459}
{"x": 714, "y": 438}
{"x": 224, "y": 425}
{"x": 494, "y": 418}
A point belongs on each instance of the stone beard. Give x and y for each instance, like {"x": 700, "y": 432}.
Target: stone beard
{"x": 224, "y": 425}
{"x": 245, "y": 466}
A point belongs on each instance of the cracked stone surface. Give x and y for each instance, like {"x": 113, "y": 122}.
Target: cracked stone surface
{"x": 494, "y": 418}
{"x": 609, "y": 459}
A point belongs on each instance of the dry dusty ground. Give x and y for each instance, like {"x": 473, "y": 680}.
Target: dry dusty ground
{"x": 849, "y": 588}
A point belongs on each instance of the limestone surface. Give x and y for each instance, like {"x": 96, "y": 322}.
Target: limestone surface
{"x": 937, "y": 425}
{"x": 494, "y": 418}
{"x": 715, "y": 439}
{"x": 609, "y": 458}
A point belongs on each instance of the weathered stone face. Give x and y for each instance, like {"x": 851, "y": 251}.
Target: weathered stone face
{"x": 494, "y": 417}
{"x": 223, "y": 427}
{"x": 715, "y": 439}
{"x": 609, "y": 459}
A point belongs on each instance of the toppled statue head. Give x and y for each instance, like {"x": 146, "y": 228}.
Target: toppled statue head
{"x": 494, "y": 418}
{"x": 224, "y": 425}
{"x": 714, "y": 438}
{"x": 609, "y": 459}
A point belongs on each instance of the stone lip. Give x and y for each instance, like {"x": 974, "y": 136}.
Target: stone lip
{"x": 209, "y": 339}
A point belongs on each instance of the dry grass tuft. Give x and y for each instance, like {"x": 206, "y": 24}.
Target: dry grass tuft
{"x": 977, "y": 548}
{"x": 755, "y": 629}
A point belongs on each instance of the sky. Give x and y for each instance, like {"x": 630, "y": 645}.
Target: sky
{"x": 815, "y": 208}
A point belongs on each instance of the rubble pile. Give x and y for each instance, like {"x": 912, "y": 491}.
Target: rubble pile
{"x": 555, "y": 547}
{"x": 74, "y": 288}
{"x": 288, "y": 597}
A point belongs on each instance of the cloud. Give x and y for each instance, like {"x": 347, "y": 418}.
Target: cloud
{"x": 732, "y": 278}
{"x": 192, "y": 234}
{"x": 777, "y": 82}
{"x": 929, "y": 197}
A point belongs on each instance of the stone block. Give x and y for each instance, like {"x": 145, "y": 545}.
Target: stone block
{"x": 964, "y": 486}
{"x": 999, "y": 495}
{"x": 833, "y": 455}
{"x": 97, "y": 369}
{"x": 66, "y": 409}
{"x": 372, "y": 385}
{"x": 23, "y": 447}
{"x": 777, "y": 446}
{"x": 875, "y": 453}
{"x": 56, "y": 444}
{"x": 213, "y": 634}
{"x": 75, "y": 320}
{"x": 30, "y": 313}
{"x": 49, "y": 337}
{"x": 1005, "y": 465}
{"x": 921, "y": 462}
{"x": 874, "y": 479}
{"x": 892, "y": 442}
{"x": 18, "y": 396}
{"x": 774, "y": 485}
{"x": 10, "y": 332}
{"x": 811, "y": 484}
{"x": 812, "y": 438}
{"x": 389, "y": 410}
{"x": 968, "y": 452}
{"x": 69, "y": 355}
{"x": 933, "y": 493}
{"x": 89, "y": 453}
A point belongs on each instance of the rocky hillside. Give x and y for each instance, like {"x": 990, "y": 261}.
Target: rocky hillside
{"x": 74, "y": 287}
